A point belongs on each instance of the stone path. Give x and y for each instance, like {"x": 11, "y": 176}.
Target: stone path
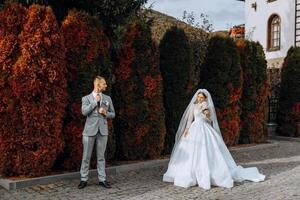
{"x": 279, "y": 162}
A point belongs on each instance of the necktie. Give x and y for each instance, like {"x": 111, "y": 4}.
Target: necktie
{"x": 98, "y": 103}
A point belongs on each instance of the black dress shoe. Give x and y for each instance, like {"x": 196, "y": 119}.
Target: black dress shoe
{"x": 82, "y": 184}
{"x": 105, "y": 184}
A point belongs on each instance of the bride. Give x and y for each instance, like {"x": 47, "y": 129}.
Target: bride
{"x": 200, "y": 155}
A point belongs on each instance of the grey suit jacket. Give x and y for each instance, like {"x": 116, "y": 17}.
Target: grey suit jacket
{"x": 94, "y": 120}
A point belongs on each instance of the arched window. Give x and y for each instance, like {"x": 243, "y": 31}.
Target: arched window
{"x": 274, "y": 29}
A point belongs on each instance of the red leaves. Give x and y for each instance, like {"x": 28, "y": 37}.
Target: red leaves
{"x": 296, "y": 108}
{"x": 255, "y": 93}
{"x": 140, "y": 132}
{"x": 237, "y": 32}
{"x": 73, "y": 140}
{"x": 234, "y": 93}
{"x": 38, "y": 84}
{"x": 123, "y": 72}
{"x": 84, "y": 37}
{"x": 258, "y": 132}
{"x": 140, "y": 119}
{"x": 151, "y": 85}
{"x": 296, "y": 116}
{"x": 86, "y": 46}
{"x": 229, "y": 117}
{"x": 229, "y": 120}
{"x": 11, "y": 22}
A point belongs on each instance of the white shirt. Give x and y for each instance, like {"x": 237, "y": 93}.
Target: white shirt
{"x": 95, "y": 94}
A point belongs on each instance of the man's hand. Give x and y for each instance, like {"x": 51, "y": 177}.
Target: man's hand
{"x": 102, "y": 111}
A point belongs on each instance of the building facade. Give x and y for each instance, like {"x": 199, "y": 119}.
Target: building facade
{"x": 275, "y": 24}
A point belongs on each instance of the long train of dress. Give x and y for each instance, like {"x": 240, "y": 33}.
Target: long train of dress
{"x": 203, "y": 159}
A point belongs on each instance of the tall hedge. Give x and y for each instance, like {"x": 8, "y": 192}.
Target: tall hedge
{"x": 288, "y": 115}
{"x": 221, "y": 75}
{"x": 140, "y": 115}
{"x": 175, "y": 65}
{"x": 12, "y": 19}
{"x": 86, "y": 56}
{"x": 113, "y": 13}
{"x": 38, "y": 85}
{"x": 255, "y": 93}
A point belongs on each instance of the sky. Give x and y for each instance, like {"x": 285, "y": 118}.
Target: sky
{"x": 223, "y": 14}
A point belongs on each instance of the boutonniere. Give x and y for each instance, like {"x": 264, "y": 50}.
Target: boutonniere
{"x": 106, "y": 103}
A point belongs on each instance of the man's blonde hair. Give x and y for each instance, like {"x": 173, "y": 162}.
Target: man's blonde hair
{"x": 98, "y": 79}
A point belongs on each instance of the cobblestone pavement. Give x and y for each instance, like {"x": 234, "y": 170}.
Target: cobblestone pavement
{"x": 280, "y": 163}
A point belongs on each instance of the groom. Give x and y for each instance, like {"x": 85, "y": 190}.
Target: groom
{"x": 97, "y": 107}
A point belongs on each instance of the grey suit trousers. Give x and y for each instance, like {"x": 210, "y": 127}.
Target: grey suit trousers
{"x": 88, "y": 145}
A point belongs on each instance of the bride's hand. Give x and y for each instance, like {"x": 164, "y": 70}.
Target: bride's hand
{"x": 185, "y": 132}
{"x": 206, "y": 113}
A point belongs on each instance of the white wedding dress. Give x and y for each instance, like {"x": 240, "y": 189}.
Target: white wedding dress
{"x": 202, "y": 158}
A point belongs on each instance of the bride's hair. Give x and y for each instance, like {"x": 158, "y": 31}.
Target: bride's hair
{"x": 197, "y": 98}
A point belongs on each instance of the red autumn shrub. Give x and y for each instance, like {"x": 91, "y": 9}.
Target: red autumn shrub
{"x": 39, "y": 85}
{"x": 87, "y": 56}
{"x": 229, "y": 117}
{"x": 288, "y": 114}
{"x": 255, "y": 93}
{"x": 12, "y": 19}
{"x": 140, "y": 115}
{"x": 221, "y": 75}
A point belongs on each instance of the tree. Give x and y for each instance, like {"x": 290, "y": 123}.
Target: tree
{"x": 87, "y": 56}
{"x": 288, "y": 116}
{"x": 140, "y": 114}
{"x": 175, "y": 65}
{"x": 221, "y": 75}
{"x": 198, "y": 42}
{"x": 12, "y": 19}
{"x": 255, "y": 93}
{"x": 38, "y": 84}
{"x": 111, "y": 12}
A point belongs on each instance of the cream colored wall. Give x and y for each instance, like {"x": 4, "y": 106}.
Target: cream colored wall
{"x": 256, "y": 23}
